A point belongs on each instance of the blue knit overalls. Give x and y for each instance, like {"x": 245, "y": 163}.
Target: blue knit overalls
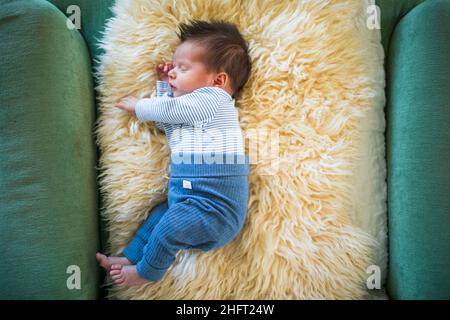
{"x": 206, "y": 209}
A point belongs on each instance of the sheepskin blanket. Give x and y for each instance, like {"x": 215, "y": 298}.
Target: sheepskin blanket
{"x": 316, "y": 212}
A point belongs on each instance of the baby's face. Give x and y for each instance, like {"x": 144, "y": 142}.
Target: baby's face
{"x": 189, "y": 72}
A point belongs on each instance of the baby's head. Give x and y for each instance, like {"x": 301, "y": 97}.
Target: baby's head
{"x": 211, "y": 54}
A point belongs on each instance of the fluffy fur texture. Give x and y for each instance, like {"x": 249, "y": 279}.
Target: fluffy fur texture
{"x": 318, "y": 83}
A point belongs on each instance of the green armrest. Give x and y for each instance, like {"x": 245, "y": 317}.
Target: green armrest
{"x": 391, "y": 11}
{"x": 48, "y": 191}
{"x": 93, "y": 14}
{"x": 418, "y": 153}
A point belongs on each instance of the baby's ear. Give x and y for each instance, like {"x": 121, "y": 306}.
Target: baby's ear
{"x": 221, "y": 79}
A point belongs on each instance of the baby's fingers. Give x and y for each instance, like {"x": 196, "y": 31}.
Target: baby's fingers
{"x": 120, "y": 106}
{"x": 166, "y": 67}
{"x": 159, "y": 67}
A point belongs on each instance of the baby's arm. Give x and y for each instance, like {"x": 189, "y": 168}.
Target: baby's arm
{"x": 199, "y": 105}
{"x": 162, "y": 89}
{"x": 162, "y": 86}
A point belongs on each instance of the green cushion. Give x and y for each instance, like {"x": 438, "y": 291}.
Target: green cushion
{"x": 48, "y": 211}
{"x": 418, "y": 154}
{"x": 391, "y": 11}
{"x": 93, "y": 17}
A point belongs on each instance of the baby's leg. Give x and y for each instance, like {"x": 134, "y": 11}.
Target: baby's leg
{"x": 134, "y": 250}
{"x": 185, "y": 225}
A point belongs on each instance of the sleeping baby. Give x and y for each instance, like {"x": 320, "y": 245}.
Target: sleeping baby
{"x": 208, "y": 185}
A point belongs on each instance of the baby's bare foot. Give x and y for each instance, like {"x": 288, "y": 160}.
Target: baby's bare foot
{"x": 126, "y": 275}
{"x": 107, "y": 262}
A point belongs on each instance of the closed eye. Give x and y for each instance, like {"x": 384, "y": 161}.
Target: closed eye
{"x": 181, "y": 67}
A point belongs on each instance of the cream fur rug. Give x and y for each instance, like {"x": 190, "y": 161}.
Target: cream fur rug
{"x": 318, "y": 83}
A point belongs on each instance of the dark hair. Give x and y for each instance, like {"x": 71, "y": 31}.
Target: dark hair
{"x": 225, "y": 48}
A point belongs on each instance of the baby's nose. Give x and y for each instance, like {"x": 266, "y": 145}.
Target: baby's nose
{"x": 171, "y": 74}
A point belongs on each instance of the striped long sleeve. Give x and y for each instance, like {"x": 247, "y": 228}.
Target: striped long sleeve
{"x": 162, "y": 89}
{"x": 198, "y": 106}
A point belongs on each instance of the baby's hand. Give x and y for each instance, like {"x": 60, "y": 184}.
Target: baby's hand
{"x": 163, "y": 69}
{"x": 127, "y": 103}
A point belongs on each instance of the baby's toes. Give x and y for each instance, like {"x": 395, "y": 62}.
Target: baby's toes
{"x": 118, "y": 279}
{"x": 119, "y": 282}
{"x": 114, "y": 272}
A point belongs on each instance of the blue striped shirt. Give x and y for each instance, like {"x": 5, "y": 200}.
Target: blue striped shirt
{"x": 203, "y": 121}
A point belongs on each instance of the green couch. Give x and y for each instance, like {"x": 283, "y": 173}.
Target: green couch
{"x": 49, "y": 204}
